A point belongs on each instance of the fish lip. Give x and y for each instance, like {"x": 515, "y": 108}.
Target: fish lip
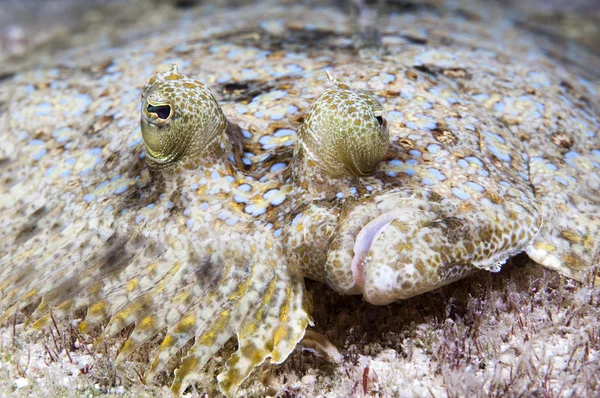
{"x": 364, "y": 240}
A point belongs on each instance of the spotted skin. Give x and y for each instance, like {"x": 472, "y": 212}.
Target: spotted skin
{"x": 204, "y": 271}
{"x": 206, "y": 234}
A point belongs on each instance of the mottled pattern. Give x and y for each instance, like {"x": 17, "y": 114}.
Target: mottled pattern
{"x": 426, "y": 160}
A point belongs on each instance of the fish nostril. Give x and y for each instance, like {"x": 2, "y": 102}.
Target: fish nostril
{"x": 380, "y": 120}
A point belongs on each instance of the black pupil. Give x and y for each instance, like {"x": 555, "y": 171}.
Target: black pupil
{"x": 380, "y": 120}
{"x": 163, "y": 111}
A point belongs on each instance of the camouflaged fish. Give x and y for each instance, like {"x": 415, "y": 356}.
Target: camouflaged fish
{"x": 393, "y": 175}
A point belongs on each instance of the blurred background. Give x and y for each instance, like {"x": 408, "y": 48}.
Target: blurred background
{"x": 567, "y": 29}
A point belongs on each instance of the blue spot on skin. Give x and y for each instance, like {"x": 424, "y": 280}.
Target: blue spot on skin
{"x": 84, "y": 102}
{"x": 297, "y": 218}
{"x": 474, "y": 186}
{"x": 203, "y": 206}
{"x": 255, "y": 211}
{"x": 284, "y": 133}
{"x": 494, "y": 136}
{"x": 276, "y": 116}
{"x": 409, "y": 172}
{"x": 481, "y": 97}
{"x": 49, "y": 171}
{"x": 102, "y": 184}
{"x": 406, "y": 94}
{"x": 239, "y": 199}
{"x": 278, "y": 233}
{"x": 245, "y": 187}
{"x": 340, "y": 195}
{"x": 43, "y": 109}
{"x": 569, "y": 156}
{"x": 500, "y": 155}
{"x": 58, "y": 135}
{"x": 139, "y": 219}
{"x": 427, "y": 181}
{"x": 388, "y": 78}
{"x": 277, "y": 94}
{"x": 29, "y": 88}
{"x": 499, "y": 107}
{"x": 395, "y": 116}
{"x": 292, "y": 109}
{"x": 40, "y": 154}
{"x": 36, "y": 142}
{"x": 462, "y": 163}
{"x": 95, "y": 151}
{"x": 505, "y": 184}
{"x": 277, "y": 167}
{"x": 70, "y": 161}
{"x": 473, "y": 159}
{"x": 248, "y": 74}
{"x": 169, "y": 205}
{"x": 415, "y": 153}
{"x": 437, "y": 174}
{"x": 426, "y": 105}
{"x": 224, "y": 215}
{"x": 269, "y": 194}
{"x": 229, "y": 179}
{"x": 86, "y": 171}
{"x": 459, "y": 193}
{"x": 561, "y": 180}
{"x": 215, "y": 176}
{"x": 293, "y": 68}
{"x": 277, "y": 201}
{"x": 551, "y": 166}
{"x": 224, "y": 78}
{"x": 596, "y": 152}
{"x": 412, "y": 161}
{"x": 433, "y": 148}
{"x": 135, "y": 143}
{"x": 120, "y": 190}
{"x": 484, "y": 173}
{"x": 246, "y": 134}
{"x": 392, "y": 173}
{"x": 395, "y": 162}
{"x": 241, "y": 109}
{"x": 150, "y": 206}
{"x": 427, "y": 123}
{"x": 259, "y": 114}
{"x": 234, "y": 53}
{"x": 115, "y": 178}
{"x": 89, "y": 197}
{"x": 107, "y": 210}
{"x": 65, "y": 173}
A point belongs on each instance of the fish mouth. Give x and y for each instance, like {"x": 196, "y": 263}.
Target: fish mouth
{"x": 377, "y": 267}
{"x": 368, "y": 235}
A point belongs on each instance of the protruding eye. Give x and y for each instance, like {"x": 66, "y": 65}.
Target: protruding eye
{"x": 380, "y": 120}
{"x": 162, "y": 111}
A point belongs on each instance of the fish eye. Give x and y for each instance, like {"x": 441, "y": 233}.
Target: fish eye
{"x": 380, "y": 120}
{"x": 162, "y": 111}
